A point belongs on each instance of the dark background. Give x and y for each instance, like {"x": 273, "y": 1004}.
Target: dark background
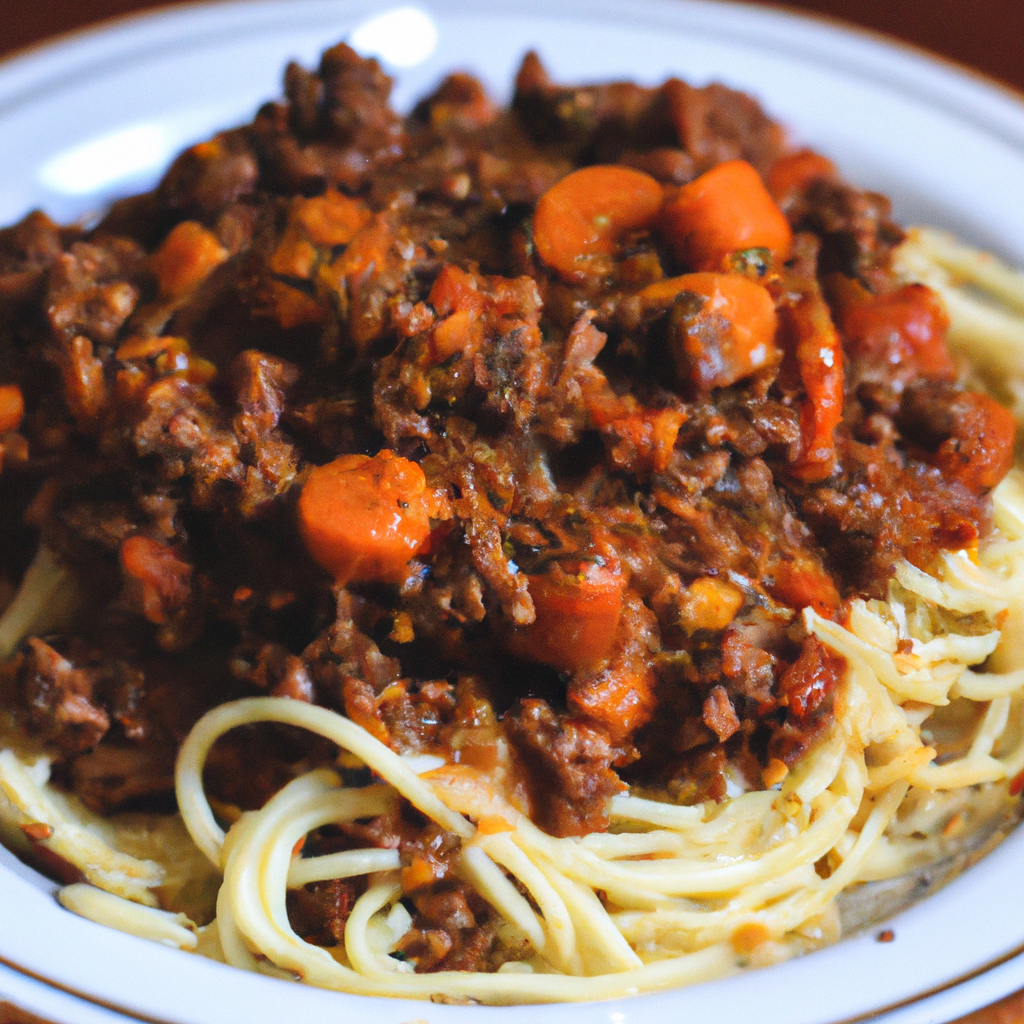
{"x": 987, "y": 35}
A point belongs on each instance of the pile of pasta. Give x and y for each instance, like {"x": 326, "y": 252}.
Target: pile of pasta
{"x": 924, "y": 750}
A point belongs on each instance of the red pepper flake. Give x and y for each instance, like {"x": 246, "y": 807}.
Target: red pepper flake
{"x": 885, "y": 936}
{"x": 37, "y": 830}
{"x": 1017, "y": 785}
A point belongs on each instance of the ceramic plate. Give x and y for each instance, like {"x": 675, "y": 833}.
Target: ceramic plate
{"x": 99, "y": 114}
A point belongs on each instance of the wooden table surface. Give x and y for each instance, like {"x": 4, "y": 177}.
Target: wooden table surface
{"x": 984, "y": 35}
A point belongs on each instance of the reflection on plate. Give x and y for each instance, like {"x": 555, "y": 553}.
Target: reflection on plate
{"x": 100, "y": 114}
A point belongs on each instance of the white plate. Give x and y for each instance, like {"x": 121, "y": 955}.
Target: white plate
{"x": 100, "y": 113}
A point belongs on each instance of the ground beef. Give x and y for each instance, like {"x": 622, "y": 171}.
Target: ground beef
{"x": 569, "y": 763}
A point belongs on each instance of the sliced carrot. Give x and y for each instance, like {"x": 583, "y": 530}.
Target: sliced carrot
{"x": 739, "y": 340}
{"x": 457, "y": 300}
{"x": 454, "y": 289}
{"x": 368, "y": 250}
{"x": 903, "y": 332}
{"x": 363, "y": 518}
{"x": 12, "y": 407}
{"x": 493, "y": 824}
{"x": 577, "y": 615}
{"x": 795, "y": 171}
{"x": 458, "y": 333}
{"x": 185, "y": 258}
{"x": 620, "y": 698}
{"x": 579, "y": 221}
{"x": 294, "y": 256}
{"x": 814, "y": 346}
{"x": 723, "y": 211}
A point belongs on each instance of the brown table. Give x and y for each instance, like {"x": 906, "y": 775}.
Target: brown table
{"x": 984, "y": 35}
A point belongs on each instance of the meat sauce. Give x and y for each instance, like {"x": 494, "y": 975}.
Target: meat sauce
{"x": 521, "y": 437}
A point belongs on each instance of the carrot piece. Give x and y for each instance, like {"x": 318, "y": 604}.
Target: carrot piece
{"x": 725, "y": 210}
{"x": 459, "y": 332}
{"x": 795, "y": 171}
{"x": 902, "y": 333}
{"x": 363, "y": 518}
{"x": 709, "y": 603}
{"x": 645, "y": 438}
{"x": 294, "y": 256}
{"x": 740, "y": 342}
{"x": 455, "y": 289}
{"x": 12, "y": 407}
{"x": 980, "y": 451}
{"x": 577, "y": 615}
{"x": 818, "y": 355}
{"x": 578, "y": 221}
{"x": 620, "y": 698}
{"x": 367, "y": 252}
{"x": 330, "y": 219}
{"x": 493, "y": 824}
{"x": 185, "y": 258}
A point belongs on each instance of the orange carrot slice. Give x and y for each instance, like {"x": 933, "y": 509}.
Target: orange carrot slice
{"x": 725, "y": 210}
{"x": 730, "y": 337}
{"x": 363, "y": 518}
{"x": 579, "y": 221}
{"x": 577, "y": 615}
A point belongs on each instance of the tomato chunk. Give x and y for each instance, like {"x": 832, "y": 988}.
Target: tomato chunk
{"x": 901, "y": 335}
